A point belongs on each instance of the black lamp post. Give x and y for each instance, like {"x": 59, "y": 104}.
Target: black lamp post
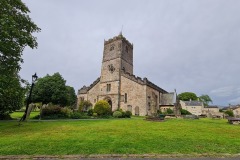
{"x": 34, "y": 78}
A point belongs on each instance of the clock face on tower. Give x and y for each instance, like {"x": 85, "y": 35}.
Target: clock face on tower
{"x": 111, "y": 68}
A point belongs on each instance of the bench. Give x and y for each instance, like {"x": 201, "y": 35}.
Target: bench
{"x": 233, "y": 120}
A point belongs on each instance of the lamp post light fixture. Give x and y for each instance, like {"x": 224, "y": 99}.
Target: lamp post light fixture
{"x": 34, "y": 79}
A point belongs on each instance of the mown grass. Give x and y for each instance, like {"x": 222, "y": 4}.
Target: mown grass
{"x": 18, "y": 115}
{"x": 119, "y": 136}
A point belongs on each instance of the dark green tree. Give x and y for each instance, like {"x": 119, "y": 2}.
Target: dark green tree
{"x": 16, "y": 30}
{"x": 52, "y": 89}
{"x": 11, "y": 95}
{"x": 71, "y": 96}
{"x": 186, "y": 96}
{"x": 205, "y": 99}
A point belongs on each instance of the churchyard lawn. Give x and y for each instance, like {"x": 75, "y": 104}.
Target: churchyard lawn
{"x": 119, "y": 136}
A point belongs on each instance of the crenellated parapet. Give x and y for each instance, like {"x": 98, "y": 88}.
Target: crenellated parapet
{"x": 85, "y": 89}
{"x": 132, "y": 77}
{"x": 119, "y": 37}
{"x": 141, "y": 81}
{"x": 154, "y": 86}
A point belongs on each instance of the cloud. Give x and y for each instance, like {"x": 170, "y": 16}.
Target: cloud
{"x": 223, "y": 92}
{"x": 235, "y": 101}
{"x": 189, "y": 45}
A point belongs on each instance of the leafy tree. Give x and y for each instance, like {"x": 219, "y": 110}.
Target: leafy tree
{"x": 205, "y": 99}
{"x": 186, "y": 96}
{"x": 11, "y": 95}
{"x": 16, "y": 30}
{"x": 71, "y": 96}
{"x": 52, "y": 89}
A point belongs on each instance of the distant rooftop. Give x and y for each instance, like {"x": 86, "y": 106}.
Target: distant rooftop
{"x": 193, "y": 103}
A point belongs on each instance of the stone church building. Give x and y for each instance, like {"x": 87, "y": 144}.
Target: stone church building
{"x": 120, "y": 87}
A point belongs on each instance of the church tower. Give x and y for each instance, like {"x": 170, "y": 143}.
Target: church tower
{"x": 117, "y": 58}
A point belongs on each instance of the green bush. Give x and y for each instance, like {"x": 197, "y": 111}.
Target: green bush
{"x": 55, "y": 112}
{"x": 102, "y": 108}
{"x": 5, "y": 117}
{"x": 128, "y": 114}
{"x": 90, "y": 112}
{"x": 185, "y": 112}
{"x": 84, "y": 106}
{"x": 123, "y": 114}
{"x": 169, "y": 111}
{"x": 229, "y": 113}
{"x": 117, "y": 114}
{"x": 79, "y": 115}
{"x": 36, "y": 117}
{"x": 66, "y": 111}
{"x": 76, "y": 115}
{"x": 95, "y": 114}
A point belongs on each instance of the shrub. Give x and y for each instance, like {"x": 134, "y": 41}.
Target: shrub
{"x": 55, "y": 112}
{"x": 66, "y": 111}
{"x": 123, "y": 114}
{"x": 36, "y": 117}
{"x": 90, "y": 112}
{"x": 117, "y": 114}
{"x": 79, "y": 115}
{"x": 50, "y": 110}
{"x": 5, "y": 117}
{"x": 128, "y": 114}
{"x": 229, "y": 113}
{"x": 95, "y": 114}
{"x": 169, "y": 111}
{"x": 185, "y": 112}
{"x": 84, "y": 106}
{"x": 102, "y": 108}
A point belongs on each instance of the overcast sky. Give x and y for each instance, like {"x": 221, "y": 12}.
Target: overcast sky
{"x": 187, "y": 45}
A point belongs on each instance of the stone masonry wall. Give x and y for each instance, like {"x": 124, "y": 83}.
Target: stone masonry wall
{"x": 152, "y": 96}
{"x": 136, "y": 96}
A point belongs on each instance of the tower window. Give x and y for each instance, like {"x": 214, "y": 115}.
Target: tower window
{"x": 126, "y": 49}
{"x": 108, "y": 87}
{"x": 112, "y": 47}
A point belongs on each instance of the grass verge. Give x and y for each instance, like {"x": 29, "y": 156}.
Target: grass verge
{"x": 119, "y": 136}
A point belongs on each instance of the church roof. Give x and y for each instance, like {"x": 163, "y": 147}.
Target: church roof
{"x": 85, "y": 89}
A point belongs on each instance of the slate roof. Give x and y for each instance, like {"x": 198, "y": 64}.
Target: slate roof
{"x": 211, "y": 107}
{"x": 193, "y": 103}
